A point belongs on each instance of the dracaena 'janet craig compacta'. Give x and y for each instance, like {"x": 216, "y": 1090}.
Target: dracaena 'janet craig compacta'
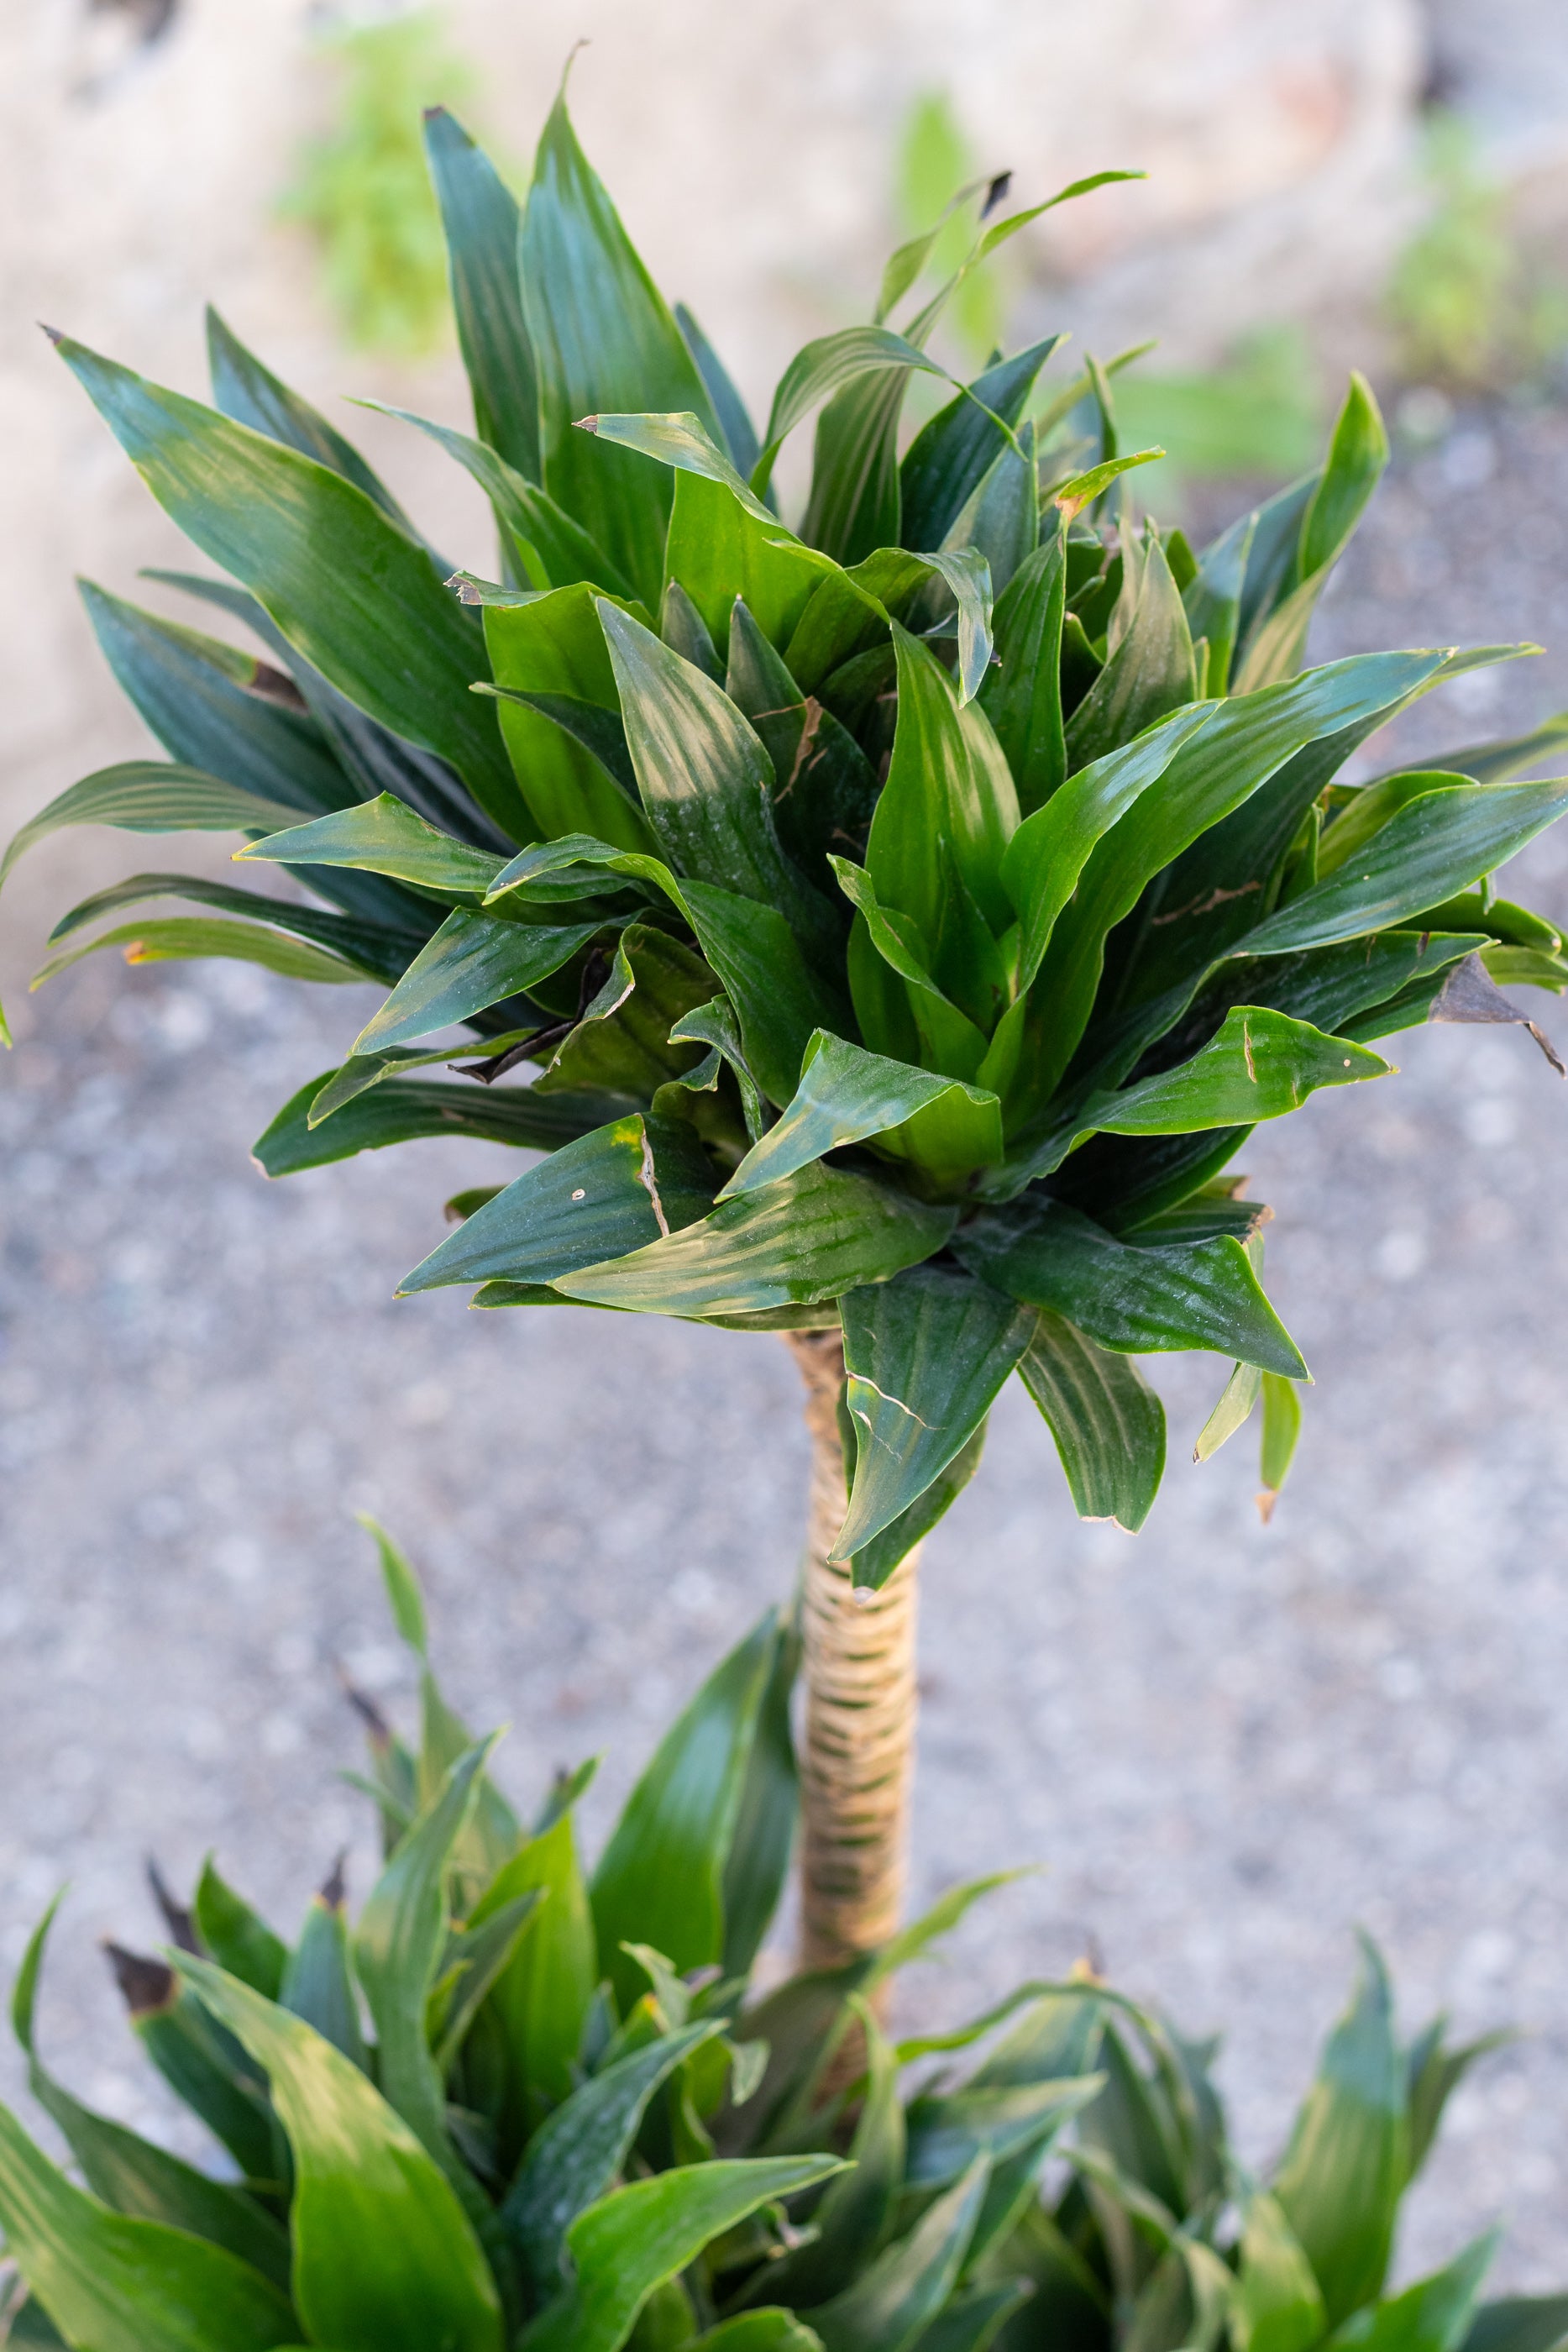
{"x": 892, "y": 926}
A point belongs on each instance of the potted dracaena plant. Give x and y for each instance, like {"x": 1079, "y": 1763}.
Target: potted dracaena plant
{"x": 573, "y": 2124}
{"x": 904, "y": 918}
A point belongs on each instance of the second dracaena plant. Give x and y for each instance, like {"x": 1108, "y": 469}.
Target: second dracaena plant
{"x": 906, "y": 919}
{"x": 556, "y": 2134}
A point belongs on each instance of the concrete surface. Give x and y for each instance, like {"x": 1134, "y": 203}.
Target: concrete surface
{"x": 1223, "y": 1745}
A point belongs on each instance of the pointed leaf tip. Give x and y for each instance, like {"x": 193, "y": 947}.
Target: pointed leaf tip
{"x": 585, "y": 424}
{"x": 54, "y": 333}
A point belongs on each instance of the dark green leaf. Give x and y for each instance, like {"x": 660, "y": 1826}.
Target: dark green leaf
{"x": 1501, "y": 763}
{"x": 950, "y": 457}
{"x": 1108, "y": 1424}
{"x": 1336, "y": 498}
{"x": 908, "y": 2283}
{"x": 854, "y": 2217}
{"x": 383, "y": 836}
{"x": 1343, "y": 2175}
{"x": 1021, "y": 696}
{"x": 174, "y": 938}
{"x": 235, "y": 1935}
{"x": 1212, "y": 598}
{"x": 1519, "y": 2322}
{"x": 133, "y": 2175}
{"x": 973, "y": 2320}
{"x": 318, "y": 1981}
{"x": 374, "y": 951}
{"x": 769, "y": 2329}
{"x": 472, "y": 962}
{"x": 847, "y": 1095}
{"x": 660, "y": 1878}
{"x": 926, "y": 1355}
{"x": 760, "y": 1851}
{"x": 1433, "y": 2316}
{"x": 1137, "y": 1300}
{"x": 555, "y": 646}
{"x": 248, "y": 392}
{"x": 622, "y": 1047}
{"x": 875, "y": 1561}
{"x": 1149, "y": 673}
{"x": 1435, "y": 845}
{"x": 948, "y": 2129}
{"x": 376, "y": 621}
{"x": 479, "y": 215}
{"x": 810, "y": 1237}
{"x": 384, "y": 2260}
{"x": 739, "y": 433}
{"x": 602, "y": 338}
{"x": 574, "y": 2158}
{"x": 399, "y": 1110}
{"x": 633, "y": 2240}
{"x": 150, "y": 796}
{"x": 598, "y": 1197}
{"x": 1279, "y": 2306}
{"x": 826, "y": 366}
{"x": 853, "y": 506}
{"x": 215, "y": 708}
{"x": 119, "y": 2285}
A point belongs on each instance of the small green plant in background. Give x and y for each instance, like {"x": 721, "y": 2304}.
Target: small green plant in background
{"x": 1258, "y": 416}
{"x": 1469, "y": 306}
{"x": 363, "y": 189}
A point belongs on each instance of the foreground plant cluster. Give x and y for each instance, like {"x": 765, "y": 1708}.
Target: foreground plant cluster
{"x": 573, "y": 2124}
{"x": 905, "y": 919}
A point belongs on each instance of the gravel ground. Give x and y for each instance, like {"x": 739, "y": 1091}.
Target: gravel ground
{"x": 1223, "y": 1745}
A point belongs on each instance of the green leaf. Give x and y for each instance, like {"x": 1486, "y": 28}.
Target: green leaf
{"x": 633, "y": 2240}
{"x": 382, "y": 836}
{"x": 238, "y": 1938}
{"x": 845, "y": 1096}
{"x": 825, "y": 367}
{"x": 544, "y": 1994}
{"x": 1231, "y": 755}
{"x": 1519, "y": 2322}
{"x": 810, "y": 1237}
{"x": 1082, "y": 489}
{"x": 1135, "y": 1299}
{"x": 1282, "y": 1428}
{"x": 973, "y": 2320}
{"x": 602, "y": 338}
{"x": 853, "y": 505}
{"x": 480, "y": 216}
{"x": 720, "y": 550}
{"x": 908, "y": 2283}
{"x": 150, "y": 796}
{"x": 764, "y": 1834}
{"x": 854, "y": 2217}
{"x": 621, "y": 1046}
{"x": 317, "y": 1980}
{"x": 739, "y": 433}
{"x": 1237, "y": 1398}
{"x": 399, "y": 1110}
{"x": 574, "y": 2158}
{"x": 1357, "y": 455}
{"x": 215, "y": 708}
{"x": 1433, "y": 2316}
{"x": 376, "y": 622}
{"x": 682, "y": 441}
{"x": 398, "y": 1949}
{"x": 947, "y": 780}
{"x": 175, "y": 938}
{"x": 1279, "y": 2306}
{"x": 926, "y": 1355}
{"x": 1108, "y": 1424}
{"x": 825, "y": 789}
{"x": 132, "y": 2175}
{"x": 1021, "y": 695}
{"x": 1500, "y": 763}
{"x": 1050, "y": 848}
{"x": 472, "y": 962}
{"x": 553, "y": 645}
{"x": 950, "y": 457}
{"x": 1149, "y": 674}
{"x": 769, "y": 2329}
{"x": 875, "y": 1561}
{"x": 660, "y": 1875}
{"x": 1258, "y": 1065}
{"x": 249, "y": 393}
{"x": 1212, "y": 598}
{"x": 596, "y": 1199}
{"x": 384, "y": 2260}
{"x": 1431, "y": 848}
{"x": 122, "y": 2284}
{"x": 1341, "y": 2180}
{"x": 206, "y": 2069}
{"x": 374, "y": 950}
{"x": 948, "y": 2130}
{"x": 705, "y": 781}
